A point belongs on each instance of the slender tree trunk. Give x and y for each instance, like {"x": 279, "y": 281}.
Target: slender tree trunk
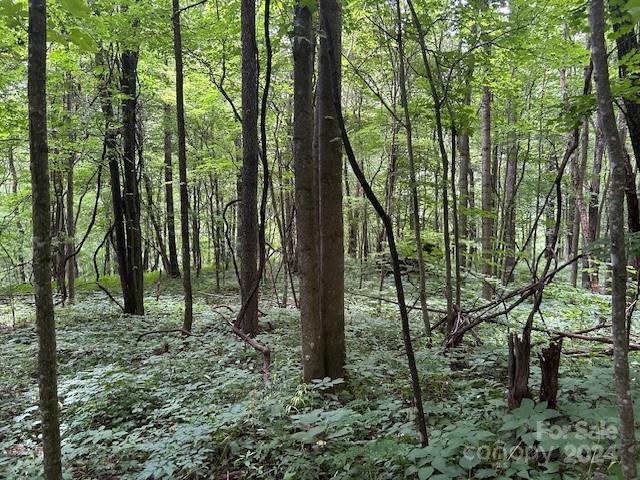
{"x": 182, "y": 168}
{"x": 151, "y": 208}
{"x": 111, "y": 152}
{"x": 71, "y": 227}
{"x": 22, "y": 277}
{"x": 487, "y": 193}
{"x": 330, "y": 192}
{"x": 412, "y": 173}
{"x": 41, "y": 220}
{"x": 437, "y": 104}
{"x": 463, "y": 183}
{"x": 59, "y": 267}
{"x": 509, "y": 229}
{"x": 174, "y": 269}
{"x": 616, "y": 235}
{"x": 581, "y": 207}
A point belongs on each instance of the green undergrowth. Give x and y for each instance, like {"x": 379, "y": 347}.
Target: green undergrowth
{"x": 159, "y": 406}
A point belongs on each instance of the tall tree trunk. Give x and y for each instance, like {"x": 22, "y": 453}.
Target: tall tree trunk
{"x": 581, "y": 207}
{"x": 306, "y": 203}
{"x": 41, "y": 220}
{"x": 616, "y": 235}
{"x": 151, "y": 208}
{"x": 248, "y": 210}
{"x": 59, "y": 226}
{"x": 71, "y": 227}
{"x": 182, "y": 169}
{"x": 412, "y": 173}
{"x": 196, "y": 225}
{"x": 594, "y": 197}
{"x": 174, "y": 269}
{"x": 509, "y": 228}
{"x": 487, "y": 193}
{"x": 627, "y": 44}
{"x": 111, "y": 152}
{"x": 330, "y": 192}
{"x": 437, "y": 106}
{"x": 131, "y": 197}
{"x": 22, "y": 277}
{"x": 463, "y": 182}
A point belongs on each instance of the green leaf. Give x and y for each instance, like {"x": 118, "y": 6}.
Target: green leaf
{"x": 78, "y": 8}
{"x": 425, "y": 472}
{"x": 82, "y": 39}
{"x": 469, "y": 461}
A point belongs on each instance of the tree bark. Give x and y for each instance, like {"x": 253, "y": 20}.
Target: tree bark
{"x": 248, "y": 211}
{"x": 111, "y": 151}
{"x": 306, "y": 206}
{"x": 22, "y": 277}
{"x": 174, "y": 269}
{"x": 509, "y": 228}
{"x": 330, "y": 192}
{"x": 617, "y": 238}
{"x": 41, "y": 220}
{"x": 627, "y": 44}
{"x": 182, "y": 168}
{"x": 487, "y": 193}
{"x": 131, "y": 198}
{"x": 71, "y": 227}
{"x": 463, "y": 182}
{"x": 549, "y": 366}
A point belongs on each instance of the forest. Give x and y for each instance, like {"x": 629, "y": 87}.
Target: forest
{"x": 319, "y": 239}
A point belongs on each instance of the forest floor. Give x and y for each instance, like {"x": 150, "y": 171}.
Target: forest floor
{"x": 136, "y": 406}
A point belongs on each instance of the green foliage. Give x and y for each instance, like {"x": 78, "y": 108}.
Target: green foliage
{"x": 133, "y": 409}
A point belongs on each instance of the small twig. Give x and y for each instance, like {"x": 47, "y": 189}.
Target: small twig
{"x": 187, "y": 8}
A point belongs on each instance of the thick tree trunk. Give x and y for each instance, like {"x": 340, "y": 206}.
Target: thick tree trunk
{"x": 627, "y": 44}
{"x": 41, "y": 220}
{"x": 306, "y": 203}
{"x": 330, "y": 192}
{"x": 617, "y": 237}
{"x": 131, "y": 198}
{"x": 182, "y": 168}
{"x": 248, "y": 211}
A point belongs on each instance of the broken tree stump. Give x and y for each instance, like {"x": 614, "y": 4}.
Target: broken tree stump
{"x": 549, "y": 365}
{"x": 518, "y": 369}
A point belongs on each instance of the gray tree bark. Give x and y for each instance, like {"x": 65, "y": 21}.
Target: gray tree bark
{"x": 616, "y": 234}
